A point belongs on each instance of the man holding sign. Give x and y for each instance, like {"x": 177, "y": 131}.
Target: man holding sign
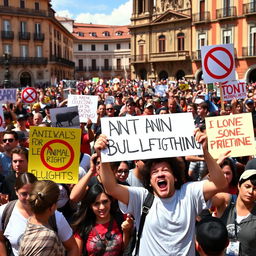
{"x": 170, "y": 225}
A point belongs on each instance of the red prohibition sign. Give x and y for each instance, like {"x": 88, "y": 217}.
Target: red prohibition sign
{"x": 29, "y": 95}
{"x": 47, "y": 146}
{"x": 210, "y": 55}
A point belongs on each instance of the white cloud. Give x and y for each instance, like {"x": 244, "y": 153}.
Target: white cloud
{"x": 119, "y": 16}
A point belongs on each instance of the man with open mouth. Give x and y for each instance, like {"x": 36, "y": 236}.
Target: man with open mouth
{"x": 169, "y": 227}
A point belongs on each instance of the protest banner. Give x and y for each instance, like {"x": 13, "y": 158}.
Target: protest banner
{"x": 233, "y": 89}
{"x": 65, "y": 117}
{"x": 8, "y": 95}
{"x": 54, "y": 154}
{"x": 148, "y": 137}
{"x": 87, "y": 106}
{"x": 232, "y": 132}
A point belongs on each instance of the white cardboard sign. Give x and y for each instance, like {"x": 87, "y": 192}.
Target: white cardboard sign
{"x": 233, "y": 89}
{"x": 149, "y": 137}
{"x": 218, "y": 63}
{"x": 87, "y": 106}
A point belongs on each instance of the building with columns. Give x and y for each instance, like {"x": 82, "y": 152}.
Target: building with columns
{"x": 161, "y": 39}
{"x": 34, "y": 46}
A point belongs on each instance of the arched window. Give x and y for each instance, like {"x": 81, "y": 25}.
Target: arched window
{"x": 181, "y": 41}
{"x": 140, "y": 6}
{"x": 161, "y": 42}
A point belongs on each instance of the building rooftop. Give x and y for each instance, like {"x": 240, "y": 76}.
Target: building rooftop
{"x": 100, "y": 32}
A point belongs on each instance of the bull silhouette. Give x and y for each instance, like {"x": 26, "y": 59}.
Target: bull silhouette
{"x": 65, "y": 117}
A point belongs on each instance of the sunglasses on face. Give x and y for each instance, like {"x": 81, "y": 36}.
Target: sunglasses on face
{"x": 9, "y": 140}
{"x": 109, "y": 109}
{"x": 121, "y": 171}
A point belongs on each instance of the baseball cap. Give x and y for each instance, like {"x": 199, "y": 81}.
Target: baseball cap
{"x": 247, "y": 174}
{"x": 148, "y": 105}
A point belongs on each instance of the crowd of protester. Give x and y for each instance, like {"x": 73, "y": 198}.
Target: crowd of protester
{"x": 200, "y": 206}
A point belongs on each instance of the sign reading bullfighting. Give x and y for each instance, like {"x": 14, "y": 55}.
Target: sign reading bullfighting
{"x": 54, "y": 154}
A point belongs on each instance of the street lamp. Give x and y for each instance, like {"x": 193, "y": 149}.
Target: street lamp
{"x": 7, "y": 75}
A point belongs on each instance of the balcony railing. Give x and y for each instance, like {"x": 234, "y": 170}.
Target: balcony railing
{"x": 24, "y": 35}
{"x": 7, "y": 34}
{"x": 81, "y": 69}
{"x": 201, "y": 17}
{"x": 38, "y": 37}
{"x": 25, "y": 61}
{"x": 94, "y": 68}
{"x": 139, "y": 58}
{"x": 106, "y": 68}
{"x": 249, "y": 51}
{"x": 226, "y": 12}
{"x": 62, "y": 61}
{"x": 196, "y": 55}
{"x": 25, "y": 11}
{"x": 249, "y": 8}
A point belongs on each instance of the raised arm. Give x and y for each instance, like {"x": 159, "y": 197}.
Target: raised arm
{"x": 217, "y": 182}
{"x": 112, "y": 188}
{"x": 80, "y": 189}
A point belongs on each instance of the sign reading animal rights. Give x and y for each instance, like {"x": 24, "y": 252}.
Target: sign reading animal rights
{"x": 54, "y": 154}
{"x": 232, "y": 132}
{"x": 87, "y": 106}
{"x": 218, "y": 63}
{"x": 8, "y": 95}
{"x": 233, "y": 89}
{"x": 148, "y": 137}
{"x": 65, "y": 117}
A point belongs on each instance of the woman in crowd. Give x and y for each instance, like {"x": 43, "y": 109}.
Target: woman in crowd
{"x": 98, "y": 227}
{"x": 238, "y": 214}
{"x": 14, "y": 228}
{"x": 39, "y": 237}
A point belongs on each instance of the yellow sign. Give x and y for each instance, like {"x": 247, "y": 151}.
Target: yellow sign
{"x": 184, "y": 87}
{"x": 232, "y": 132}
{"x": 54, "y": 154}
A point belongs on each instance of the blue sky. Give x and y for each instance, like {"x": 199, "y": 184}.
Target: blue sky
{"x": 109, "y": 12}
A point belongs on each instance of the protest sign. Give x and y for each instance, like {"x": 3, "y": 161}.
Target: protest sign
{"x": 232, "y": 132}
{"x": 95, "y": 80}
{"x": 110, "y": 100}
{"x": 54, "y": 153}
{"x": 161, "y": 89}
{"x": 65, "y": 117}
{"x": 218, "y": 63}
{"x": 8, "y": 95}
{"x": 183, "y": 86}
{"x": 148, "y": 137}
{"x": 233, "y": 89}
{"x": 87, "y": 106}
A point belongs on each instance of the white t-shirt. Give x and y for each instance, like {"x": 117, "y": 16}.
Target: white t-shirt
{"x": 17, "y": 226}
{"x": 133, "y": 180}
{"x": 169, "y": 227}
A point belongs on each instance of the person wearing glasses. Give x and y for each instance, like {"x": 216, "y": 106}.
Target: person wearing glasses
{"x": 110, "y": 111}
{"x": 20, "y": 214}
{"x": 9, "y": 141}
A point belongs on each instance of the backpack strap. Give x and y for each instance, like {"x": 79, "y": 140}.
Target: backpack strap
{"x": 7, "y": 214}
{"x": 145, "y": 209}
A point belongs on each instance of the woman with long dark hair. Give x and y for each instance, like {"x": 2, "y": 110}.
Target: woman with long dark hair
{"x": 98, "y": 227}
